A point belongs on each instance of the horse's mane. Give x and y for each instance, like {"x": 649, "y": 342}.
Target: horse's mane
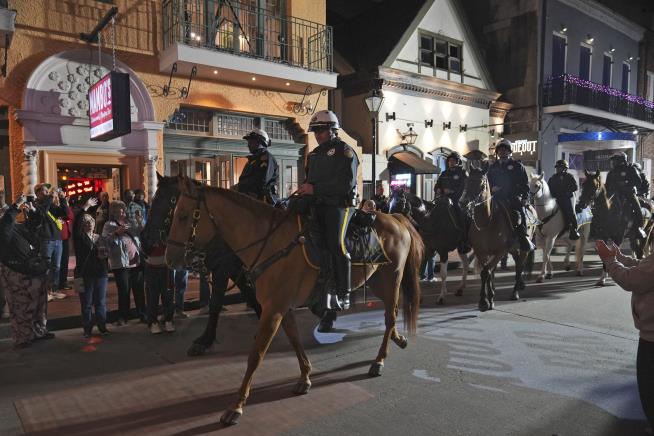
{"x": 257, "y": 206}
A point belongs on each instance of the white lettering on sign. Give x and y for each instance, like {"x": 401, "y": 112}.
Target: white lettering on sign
{"x": 100, "y": 107}
{"x": 524, "y": 146}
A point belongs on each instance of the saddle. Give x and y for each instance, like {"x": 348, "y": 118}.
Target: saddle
{"x": 361, "y": 241}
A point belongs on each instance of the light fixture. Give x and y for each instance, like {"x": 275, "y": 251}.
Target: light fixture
{"x": 429, "y": 123}
{"x": 492, "y": 132}
{"x": 612, "y": 50}
{"x": 635, "y": 132}
{"x": 589, "y": 39}
{"x": 215, "y": 71}
{"x": 374, "y": 101}
{"x": 390, "y": 116}
{"x": 631, "y": 58}
{"x": 197, "y": 38}
{"x": 563, "y": 28}
{"x": 288, "y": 83}
{"x": 409, "y": 137}
{"x": 463, "y": 128}
{"x": 447, "y": 125}
{"x": 254, "y": 78}
{"x": 193, "y": 35}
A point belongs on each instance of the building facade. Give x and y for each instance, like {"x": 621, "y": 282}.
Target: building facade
{"x": 202, "y": 74}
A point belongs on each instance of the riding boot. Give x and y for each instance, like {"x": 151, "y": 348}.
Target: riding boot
{"x": 343, "y": 277}
{"x": 523, "y": 238}
{"x": 574, "y": 234}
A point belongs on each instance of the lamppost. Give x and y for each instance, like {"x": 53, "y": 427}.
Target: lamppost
{"x": 374, "y": 102}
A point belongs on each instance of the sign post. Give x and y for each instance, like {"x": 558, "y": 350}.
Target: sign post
{"x": 109, "y": 107}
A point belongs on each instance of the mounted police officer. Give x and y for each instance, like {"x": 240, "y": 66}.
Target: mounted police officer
{"x": 332, "y": 180}
{"x": 260, "y": 175}
{"x": 563, "y": 186}
{"x": 643, "y": 189}
{"x": 450, "y": 184}
{"x": 623, "y": 181}
{"x": 509, "y": 184}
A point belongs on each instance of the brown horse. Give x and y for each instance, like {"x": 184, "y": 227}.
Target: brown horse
{"x": 262, "y": 235}
{"x": 491, "y": 236}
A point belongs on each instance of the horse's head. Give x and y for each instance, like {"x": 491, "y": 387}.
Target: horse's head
{"x": 591, "y": 188}
{"x": 186, "y": 243}
{"x": 476, "y": 186}
{"x": 161, "y": 212}
{"x": 398, "y": 202}
{"x": 536, "y": 185}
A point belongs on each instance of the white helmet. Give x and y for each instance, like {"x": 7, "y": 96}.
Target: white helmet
{"x": 323, "y": 119}
{"x": 260, "y": 135}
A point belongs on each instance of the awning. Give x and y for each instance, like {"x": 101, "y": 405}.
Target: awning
{"x": 413, "y": 162}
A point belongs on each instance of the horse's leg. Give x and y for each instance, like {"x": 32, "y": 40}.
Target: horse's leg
{"x": 602, "y": 279}
{"x": 484, "y": 304}
{"x": 268, "y": 326}
{"x": 566, "y": 259}
{"x": 247, "y": 288}
{"x": 443, "y": 261}
{"x": 464, "y": 275}
{"x": 579, "y": 251}
{"x": 389, "y": 291}
{"x": 290, "y": 327}
{"x": 519, "y": 281}
{"x": 218, "y": 288}
{"x": 549, "y": 246}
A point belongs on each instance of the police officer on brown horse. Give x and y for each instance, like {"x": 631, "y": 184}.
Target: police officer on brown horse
{"x": 562, "y": 187}
{"x": 260, "y": 175}
{"x": 510, "y": 185}
{"x": 331, "y": 179}
{"x": 450, "y": 184}
{"x": 623, "y": 181}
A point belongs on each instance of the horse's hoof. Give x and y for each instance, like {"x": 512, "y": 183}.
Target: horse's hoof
{"x": 484, "y": 306}
{"x": 567, "y": 268}
{"x": 197, "y": 349}
{"x": 440, "y": 301}
{"x": 599, "y": 283}
{"x": 376, "y": 369}
{"x": 491, "y": 305}
{"x": 539, "y": 279}
{"x": 515, "y": 296}
{"x": 580, "y": 273}
{"x": 230, "y": 417}
{"x": 548, "y": 276}
{"x": 520, "y": 286}
{"x": 459, "y": 292}
{"x": 302, "y": 388}
{"x": 326, "y": 326}
{"x": 401, "y": 342}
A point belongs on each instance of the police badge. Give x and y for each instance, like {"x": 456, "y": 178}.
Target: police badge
{"x": 331, "y": 152}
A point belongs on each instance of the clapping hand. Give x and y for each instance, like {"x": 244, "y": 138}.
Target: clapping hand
{"x": 606, "y": 252}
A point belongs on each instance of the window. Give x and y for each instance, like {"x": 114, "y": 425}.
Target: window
{"x": 585, "y": 56}
{"x": 650, "y": 86}
{"x": 626, "y": 72}
{"x": 607, "y": 69}
{"x": 441, "y": 53}
{"x": 559, "y": 47}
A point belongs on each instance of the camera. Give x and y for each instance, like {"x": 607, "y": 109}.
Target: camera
{"x": 31, "y": 199}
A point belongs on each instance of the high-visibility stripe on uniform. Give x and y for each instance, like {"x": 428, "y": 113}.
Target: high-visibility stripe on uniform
{"x": 343, "y": 229}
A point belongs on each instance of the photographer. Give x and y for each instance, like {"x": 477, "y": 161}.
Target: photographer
{"x": 23, "y": 273}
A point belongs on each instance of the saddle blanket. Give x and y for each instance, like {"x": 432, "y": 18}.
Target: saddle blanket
{"x": 361, "y": 242}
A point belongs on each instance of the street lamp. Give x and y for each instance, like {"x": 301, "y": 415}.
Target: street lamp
{"x": 374, "y": 102}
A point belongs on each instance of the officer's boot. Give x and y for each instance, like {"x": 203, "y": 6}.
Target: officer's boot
{"x": 465, "y": 243}
{"x": 521, "y": 233}
{"x": 574, "y": 234}
{"x": 340, "y": 300}
{"x": 638, "y": 221}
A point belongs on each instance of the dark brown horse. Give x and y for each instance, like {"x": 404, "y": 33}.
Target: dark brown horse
{"x": 491, "y": 236}
{"x": 259, "y": 234}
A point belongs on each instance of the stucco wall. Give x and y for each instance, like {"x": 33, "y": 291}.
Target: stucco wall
{"x": 47, "y": 27}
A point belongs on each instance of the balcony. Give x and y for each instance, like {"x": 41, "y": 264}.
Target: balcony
{"x": 573, "y": 97}
{"x": 236, "y": 41}
{"x": 7, "y": 24}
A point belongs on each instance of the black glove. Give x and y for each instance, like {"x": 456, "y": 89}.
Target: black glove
{"x": 578, "y": 209}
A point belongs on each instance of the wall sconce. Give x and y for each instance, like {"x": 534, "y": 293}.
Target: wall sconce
{"x": 563, "y": 28}
{"x": 630, "y": 58}
{"x": 409, "y": 137}
{"x": 492, "y": 132}
{"x": 390, "y": 116}
{"x": 447, "y": 125}
{"x": 612, "y": 49}
{"x": 429, "y": 123}
{"x": 589, "y": 39}
{"x": 463, "y": 128}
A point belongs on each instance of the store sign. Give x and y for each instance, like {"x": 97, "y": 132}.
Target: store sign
{"x": 109, "y": 107}
{"x": 524, "y": 146}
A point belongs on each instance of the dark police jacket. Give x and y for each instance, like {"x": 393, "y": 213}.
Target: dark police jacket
{"x": 562, "y": 185}
{"x": 332, "y": 170}
{"x": 511, "y": 177}
{"x": 643, "y": 189}
{"x": 622, "y": 179}
{"x": 21, "y": 244}
{"x": 454, "y": 179}
{"x": 260, "y": 175}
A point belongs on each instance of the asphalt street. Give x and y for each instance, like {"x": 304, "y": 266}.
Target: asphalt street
{"x": 561, "y": 361}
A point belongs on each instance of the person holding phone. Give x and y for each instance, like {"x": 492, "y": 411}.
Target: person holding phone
{"x": 635, "y": 276}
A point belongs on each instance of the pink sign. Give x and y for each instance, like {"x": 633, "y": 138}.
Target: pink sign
{"x": 100, "y": 107}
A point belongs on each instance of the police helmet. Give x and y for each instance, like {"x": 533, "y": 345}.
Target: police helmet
{"x": 619, "y": 157}
{"x": 324, "y": 119}
{"x": 504, "y": 143}
{"x": 259, "y": 135}
{"x": 638, "y": 166}
{"x": 561, "y": 163}
{"x": 454, "y": 155}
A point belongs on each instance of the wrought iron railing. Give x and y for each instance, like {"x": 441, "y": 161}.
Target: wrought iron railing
{"x": 242, "y": 28}
{"x": 569, "y": 89}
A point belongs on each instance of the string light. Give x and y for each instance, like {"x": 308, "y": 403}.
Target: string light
{"x": 607, "y": 90}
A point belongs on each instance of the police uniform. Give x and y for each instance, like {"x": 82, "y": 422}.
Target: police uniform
{"x": 562, "y": 187}
{"x": 623, "y": 180}
{"x": 511, "y": 177}
{"x": 259, "y": 177}
{"x": 643, "y": 188}
{"x": 454, "y": 179}
{"x": 332, "y": 170}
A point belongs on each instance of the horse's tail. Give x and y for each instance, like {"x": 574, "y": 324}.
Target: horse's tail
{"x": 411, "y": 277}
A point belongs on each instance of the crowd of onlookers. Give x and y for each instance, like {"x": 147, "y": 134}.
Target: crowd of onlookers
{"x": 38, "y": 234}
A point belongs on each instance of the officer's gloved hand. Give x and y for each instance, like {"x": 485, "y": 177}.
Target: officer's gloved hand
{"x": 578, "y": 209}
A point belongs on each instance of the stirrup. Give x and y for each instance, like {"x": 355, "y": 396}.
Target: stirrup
{"x": 334, "y": 303}
{"x": 640, "y": 232}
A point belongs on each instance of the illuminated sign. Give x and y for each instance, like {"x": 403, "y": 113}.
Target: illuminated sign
{"x": 109, "y": 107}
{"x": 524, "y": 146}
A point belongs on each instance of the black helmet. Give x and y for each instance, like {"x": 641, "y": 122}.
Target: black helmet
{"x": 504, "y": 143}
{"x": 454, "y": 155}
{"x": 561, "y": 163}
{"x": 620, "y": 157}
